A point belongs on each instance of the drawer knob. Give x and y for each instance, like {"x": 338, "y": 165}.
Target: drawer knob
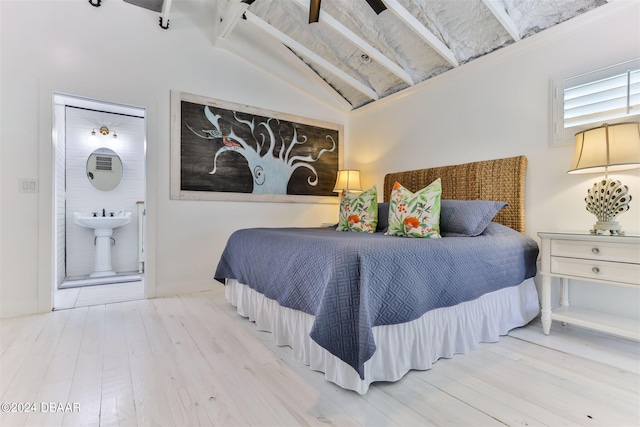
{"x": 595, "y": 270}
{"x": 595, "y": 250}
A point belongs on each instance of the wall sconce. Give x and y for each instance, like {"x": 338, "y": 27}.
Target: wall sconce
{"x": 104, "y": 131}
{"x": 603, "y": 149}
{"x": 347, "y": 180}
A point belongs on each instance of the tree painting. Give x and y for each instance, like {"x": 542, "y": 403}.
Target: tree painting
{"x": 227, "y": 150}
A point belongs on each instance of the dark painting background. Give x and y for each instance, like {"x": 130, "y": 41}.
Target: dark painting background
{"x": 233, "y": 174}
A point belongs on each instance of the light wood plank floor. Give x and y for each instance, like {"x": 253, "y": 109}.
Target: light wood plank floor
{"x": 191, "y": 360}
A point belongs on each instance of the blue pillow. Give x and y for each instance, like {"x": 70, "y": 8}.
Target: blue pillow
{"x": 467, "y": 217}
{"x": 383, "y": 217}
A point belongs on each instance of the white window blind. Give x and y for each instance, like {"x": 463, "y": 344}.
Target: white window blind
{"x": 602, "y": 100}
{"x": 610, "y": 95}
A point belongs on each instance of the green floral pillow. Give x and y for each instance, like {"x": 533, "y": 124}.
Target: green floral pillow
{"x": 415, "y": 214}
{"x": 359, "y": 212}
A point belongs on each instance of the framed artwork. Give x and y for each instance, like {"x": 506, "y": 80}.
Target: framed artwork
{"x": 226, "y": 151}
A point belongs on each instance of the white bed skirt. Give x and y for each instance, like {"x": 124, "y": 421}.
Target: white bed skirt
{"x": 400, "y": 348}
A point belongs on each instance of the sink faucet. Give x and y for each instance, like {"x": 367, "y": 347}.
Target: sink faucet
{"x": 104, "y": 213}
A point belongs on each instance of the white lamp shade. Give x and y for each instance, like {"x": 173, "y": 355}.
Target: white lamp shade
{"x": 348, "y": 180}
{"x": 607, "y": 148}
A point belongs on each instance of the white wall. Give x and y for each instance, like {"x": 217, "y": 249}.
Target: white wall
{"x": 498, "y": 106}
{"x": 118, "y": 53}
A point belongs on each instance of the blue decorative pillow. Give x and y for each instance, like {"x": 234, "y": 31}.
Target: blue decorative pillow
{"x": 467, "y": 217}
{"x": 383, "y": 217}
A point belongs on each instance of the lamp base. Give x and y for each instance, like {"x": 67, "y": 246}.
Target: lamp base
{"x": 602, "y": 227}
{"x": 606, "y": 200}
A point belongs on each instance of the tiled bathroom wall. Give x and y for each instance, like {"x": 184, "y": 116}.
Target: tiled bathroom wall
{"x": 82, "y": 196}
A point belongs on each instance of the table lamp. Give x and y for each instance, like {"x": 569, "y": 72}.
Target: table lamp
{"x": 347, "y": 180}
{"x": 607, "y": 148}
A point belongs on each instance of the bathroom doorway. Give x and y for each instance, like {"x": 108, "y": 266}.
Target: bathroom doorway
{"x": 100, "y": 211}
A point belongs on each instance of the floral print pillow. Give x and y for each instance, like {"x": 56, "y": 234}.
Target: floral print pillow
{"x": 415, "y": 214}
{"x": 359, "y": 212}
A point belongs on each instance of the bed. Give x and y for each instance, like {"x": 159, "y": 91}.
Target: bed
{"x": 367, "y": 307}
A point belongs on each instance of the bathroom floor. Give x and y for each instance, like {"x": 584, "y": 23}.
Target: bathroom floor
{"x": 89, "y": 295}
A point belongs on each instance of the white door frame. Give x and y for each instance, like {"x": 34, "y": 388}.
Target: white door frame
{"x": 46, "y": 198}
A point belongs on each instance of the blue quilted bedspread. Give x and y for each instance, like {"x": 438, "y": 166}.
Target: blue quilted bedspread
{"x": 353, "y": 281}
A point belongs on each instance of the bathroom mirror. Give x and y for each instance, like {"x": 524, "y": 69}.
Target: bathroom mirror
{"x": 104, "y": 169}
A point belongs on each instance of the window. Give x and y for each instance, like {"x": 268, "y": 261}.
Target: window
{"x": 609, "y": 95}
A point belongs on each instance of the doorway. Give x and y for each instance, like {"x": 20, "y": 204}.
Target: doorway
{"x": 99, "y": 198}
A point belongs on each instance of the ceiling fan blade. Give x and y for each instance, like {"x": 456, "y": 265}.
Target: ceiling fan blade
{"x": 314, "y": 11}
{"x": 155, "y": 5}
{"x": 377, "y": 6}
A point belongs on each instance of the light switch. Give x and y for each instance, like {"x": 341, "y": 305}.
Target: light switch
{"x": 28, "y": 185}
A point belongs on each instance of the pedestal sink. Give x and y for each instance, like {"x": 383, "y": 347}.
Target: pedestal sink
{"x": 103, "y": 229}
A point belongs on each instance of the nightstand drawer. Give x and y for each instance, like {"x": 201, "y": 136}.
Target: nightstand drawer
{"x": 597, "y": 270}
{"x": 606, "y": 251}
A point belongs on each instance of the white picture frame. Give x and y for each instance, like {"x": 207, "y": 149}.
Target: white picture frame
{"x": 227, "y": 151}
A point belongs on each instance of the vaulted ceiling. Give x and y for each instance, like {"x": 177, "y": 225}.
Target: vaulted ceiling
{"x": 366, "y": 50}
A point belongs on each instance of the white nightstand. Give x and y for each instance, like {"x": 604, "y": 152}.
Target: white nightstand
{"x": 610, "y": 260}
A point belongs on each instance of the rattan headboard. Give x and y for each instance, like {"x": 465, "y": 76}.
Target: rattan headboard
{"x": 499, "y": 180}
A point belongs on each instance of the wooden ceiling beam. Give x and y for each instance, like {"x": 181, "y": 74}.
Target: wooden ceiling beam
{"x": 503, "y": 17}
{"x": 422, "y": 31}
{"x": 231, "y": 17}
{"x": 373, "y": 53}
{"x": 164, "y": 16}
{"x": 311, "y": 56}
